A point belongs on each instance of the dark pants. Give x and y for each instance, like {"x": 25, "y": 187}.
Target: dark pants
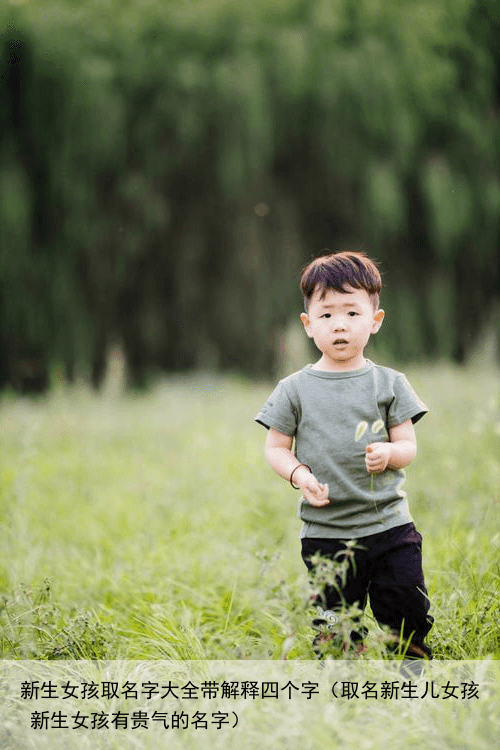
{"x": 387, "y": 567}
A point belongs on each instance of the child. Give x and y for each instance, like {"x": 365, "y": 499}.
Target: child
{"x": 352, "y": 423}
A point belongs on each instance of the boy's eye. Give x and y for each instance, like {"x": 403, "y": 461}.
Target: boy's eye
{"x": 352, "y": 313}
{"x": 326, "y": 315}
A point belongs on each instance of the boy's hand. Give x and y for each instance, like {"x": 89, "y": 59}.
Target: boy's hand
{"x": 314, "y": 492}
{"x": 377, "y": 457}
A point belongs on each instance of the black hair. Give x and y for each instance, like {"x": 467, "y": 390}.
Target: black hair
{"x": 338, "y": 271}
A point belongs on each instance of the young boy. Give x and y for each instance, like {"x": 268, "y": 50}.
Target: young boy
{"x": 352, "y": 423}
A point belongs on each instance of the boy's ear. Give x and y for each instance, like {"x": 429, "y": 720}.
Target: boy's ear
{"x": 377, "y": 320}
{"x": 305, "y": 322}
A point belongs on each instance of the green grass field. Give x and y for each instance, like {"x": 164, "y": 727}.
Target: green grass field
{"x": 151, "y": 527}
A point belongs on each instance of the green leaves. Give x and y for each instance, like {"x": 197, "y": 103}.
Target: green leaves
{"x": 360, "y": 430}
{"x": 370, "y": 123}
{"x": 450, "y": 203}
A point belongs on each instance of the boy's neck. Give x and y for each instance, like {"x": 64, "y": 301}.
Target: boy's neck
{"x": 328, "y": 366}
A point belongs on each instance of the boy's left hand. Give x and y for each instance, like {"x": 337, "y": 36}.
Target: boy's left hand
{"x": 377, "y": 457}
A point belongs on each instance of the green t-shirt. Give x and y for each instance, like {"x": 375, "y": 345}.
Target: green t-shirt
{"x": 333, "y": 416}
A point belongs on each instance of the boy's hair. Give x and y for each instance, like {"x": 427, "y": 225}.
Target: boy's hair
{"x": 339, "y": 270}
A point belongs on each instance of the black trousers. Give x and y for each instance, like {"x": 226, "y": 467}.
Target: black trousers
{"x": 387, "y": 568}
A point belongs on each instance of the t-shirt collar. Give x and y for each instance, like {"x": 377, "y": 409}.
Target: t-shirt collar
{"x": 330, "y": 375}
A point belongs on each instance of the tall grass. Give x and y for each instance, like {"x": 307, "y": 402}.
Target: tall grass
{"x": 150, "y": 527}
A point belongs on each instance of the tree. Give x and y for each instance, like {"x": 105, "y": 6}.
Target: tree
{"x": 166, "y": 169}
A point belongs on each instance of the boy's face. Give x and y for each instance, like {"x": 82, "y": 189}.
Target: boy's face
{"x": 341, "y": 324}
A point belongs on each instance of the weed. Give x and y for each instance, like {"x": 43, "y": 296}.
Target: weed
{"x": 165, "y": 533}
{"x": 33, "y": 627}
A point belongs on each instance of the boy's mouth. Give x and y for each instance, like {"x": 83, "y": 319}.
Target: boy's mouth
{"x": 340, "y": 342}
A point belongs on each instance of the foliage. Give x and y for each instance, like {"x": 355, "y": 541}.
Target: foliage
{"x": 167, "y": 167}
{"x": 32, "y": 627}
{"x": 165, "y": 535}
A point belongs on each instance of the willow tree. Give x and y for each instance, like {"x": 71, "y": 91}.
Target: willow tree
{"x": 167, "y": 167}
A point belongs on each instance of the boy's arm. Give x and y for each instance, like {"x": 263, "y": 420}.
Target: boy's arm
{"x": 397, "y": 453}
{"x": 280, "y": 456}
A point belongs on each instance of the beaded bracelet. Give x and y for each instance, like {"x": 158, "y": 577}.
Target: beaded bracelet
{"x": 293, "y": 472}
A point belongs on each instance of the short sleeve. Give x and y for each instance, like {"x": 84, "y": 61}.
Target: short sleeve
{"x": 279, "y": 412}
{"x": 405, "y": 404}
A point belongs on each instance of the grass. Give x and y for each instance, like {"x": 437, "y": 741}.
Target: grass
{"x": 150, "y": 527}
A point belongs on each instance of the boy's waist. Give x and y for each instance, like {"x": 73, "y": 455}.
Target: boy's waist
{"x": 355, "y": 518}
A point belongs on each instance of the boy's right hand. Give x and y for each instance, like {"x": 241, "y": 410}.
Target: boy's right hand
{"x": 314, "y": 492}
